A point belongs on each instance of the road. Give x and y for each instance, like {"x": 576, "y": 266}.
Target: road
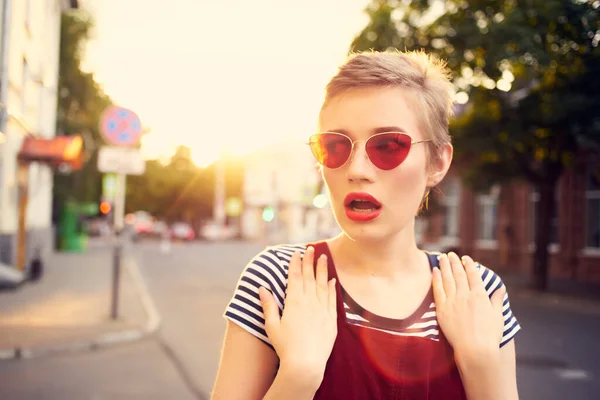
{"x": 558, "y": 352}
{"x": 191, "y": 287}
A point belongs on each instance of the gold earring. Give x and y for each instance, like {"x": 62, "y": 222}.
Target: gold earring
{"x": 427, "y": 199}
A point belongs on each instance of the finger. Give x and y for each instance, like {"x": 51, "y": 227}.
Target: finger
{"x": 458, "y": 271}
{"x": 322, "y": 288}
{"x": 447, "y": 277}
{"x": 270, "y": 309}
{"x": 294, "y": 284}
{"x": 498, "y": 298}
{"x": 332, "y": 297}
{"x": 308, "y": 270}
{"x": 473, "y": 275}
{"x": 439, "y": 295}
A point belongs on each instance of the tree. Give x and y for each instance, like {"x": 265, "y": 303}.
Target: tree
{"x": 179, "y": 190}
{"x": 80, "y": 103}
{"x": 531, "y": 71}
{"x": 175, "y": 191}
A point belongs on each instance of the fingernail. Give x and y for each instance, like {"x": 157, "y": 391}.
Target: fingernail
{"x": 452, "y": 254}
{"x": 323, "y": 257}
{"x": 261, "y": 294}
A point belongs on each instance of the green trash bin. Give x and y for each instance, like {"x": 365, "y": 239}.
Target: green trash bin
{"x": 72, "y": 236}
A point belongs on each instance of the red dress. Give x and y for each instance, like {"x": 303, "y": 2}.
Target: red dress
{"x": 369, "y": 364}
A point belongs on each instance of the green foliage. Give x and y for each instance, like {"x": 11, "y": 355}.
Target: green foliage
{"x": 175, "y": 191}
{"x": 80, "y": 104}
{"x": 546, "y": 51}
{"x": 531, "y": 69}
{"x": 178, "y": 190}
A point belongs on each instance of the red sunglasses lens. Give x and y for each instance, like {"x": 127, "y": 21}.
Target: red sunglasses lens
{"x": 387, "y": 151}
{"x": 330, "y": 150}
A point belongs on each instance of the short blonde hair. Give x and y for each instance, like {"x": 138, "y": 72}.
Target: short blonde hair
{"x": 427, "y": 79}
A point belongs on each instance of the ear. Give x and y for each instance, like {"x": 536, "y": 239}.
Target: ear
{"x": 439, "y": 165}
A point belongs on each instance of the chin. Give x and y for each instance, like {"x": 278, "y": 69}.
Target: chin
{"x": 364, "y": 231}
{"x": 372, "y": 231}
{"x": 364, "y": 236}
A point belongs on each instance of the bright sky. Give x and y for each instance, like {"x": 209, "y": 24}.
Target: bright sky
{"x": 234, "y": 73}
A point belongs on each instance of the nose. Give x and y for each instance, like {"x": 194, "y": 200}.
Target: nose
{"x": 360, "y": 168}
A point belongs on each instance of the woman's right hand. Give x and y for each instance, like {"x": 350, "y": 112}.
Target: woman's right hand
{"x": 304, "y": 335}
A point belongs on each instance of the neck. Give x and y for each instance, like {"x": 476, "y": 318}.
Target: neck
{"x": 389, "y": 257}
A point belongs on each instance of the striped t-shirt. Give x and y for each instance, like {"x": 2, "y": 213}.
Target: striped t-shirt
{"x": 270, "y": 269}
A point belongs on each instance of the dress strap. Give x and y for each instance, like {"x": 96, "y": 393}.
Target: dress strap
{"x": 322, "y": 248}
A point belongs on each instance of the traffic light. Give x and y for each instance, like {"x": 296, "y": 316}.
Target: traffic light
{"x": 105, "y": 207}
{"x": 268, "y": 214}
{"x": 320, "y": 200}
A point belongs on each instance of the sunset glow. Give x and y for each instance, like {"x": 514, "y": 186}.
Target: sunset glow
{"x": 209, "y": 75}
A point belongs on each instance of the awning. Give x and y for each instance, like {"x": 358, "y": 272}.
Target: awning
{"x": 57, "y": 151}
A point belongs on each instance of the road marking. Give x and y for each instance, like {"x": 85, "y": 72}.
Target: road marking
{"x": 7, "y": 354}
{"x": 574, "y": 374}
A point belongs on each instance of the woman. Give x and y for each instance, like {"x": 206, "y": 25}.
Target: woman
{"x": 367, "y": 314}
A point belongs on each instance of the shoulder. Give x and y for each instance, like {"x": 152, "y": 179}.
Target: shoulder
{"x": 491, "y": 280}
{"x": 285, "y": 251}
{"x": 270, "y": 267}
{"x": 277, "y": 256}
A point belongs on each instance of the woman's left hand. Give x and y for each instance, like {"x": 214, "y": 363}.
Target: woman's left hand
{"x": 471, "y": 321}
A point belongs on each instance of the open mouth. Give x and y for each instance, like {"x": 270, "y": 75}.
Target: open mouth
{"x": 363, "y": 206}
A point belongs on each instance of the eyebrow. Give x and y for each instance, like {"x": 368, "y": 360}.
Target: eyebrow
{"x": 388, "y": 129}
{"x": 381, "y": 129}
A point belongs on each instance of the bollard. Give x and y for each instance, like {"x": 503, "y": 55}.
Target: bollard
{"x": 114, "y": 309}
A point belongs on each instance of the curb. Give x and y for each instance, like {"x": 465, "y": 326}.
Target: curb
{"x": 107, "y": 339}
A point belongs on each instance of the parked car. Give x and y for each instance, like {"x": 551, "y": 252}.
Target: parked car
{"x": 142, "y": 224}
{"x": 182, "y": 231}
{"x": 212, "y": 231}
{"x": 99, "y": 227}
{"x": 160, "y": 229}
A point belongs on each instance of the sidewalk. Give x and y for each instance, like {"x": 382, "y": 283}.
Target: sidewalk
{"x": 69, "y": 307}
{"x": 563, "y": 293}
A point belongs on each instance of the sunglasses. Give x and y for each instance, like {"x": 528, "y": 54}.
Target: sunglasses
{"x": 385, "y": 150}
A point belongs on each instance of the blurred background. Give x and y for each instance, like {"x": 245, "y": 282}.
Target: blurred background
{"x": 149, "y": 149}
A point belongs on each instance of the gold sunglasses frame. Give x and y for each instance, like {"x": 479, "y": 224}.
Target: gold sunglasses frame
{"x": 353, "y": 142}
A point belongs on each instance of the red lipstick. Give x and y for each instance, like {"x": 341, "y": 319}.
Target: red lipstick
{"x": 361, "y": 207}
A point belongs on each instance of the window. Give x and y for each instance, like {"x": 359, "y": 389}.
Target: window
{"x": 451, "y": 207}
{"x": 487, "y": 209}
{"x": 592, "y": 199}
{"x": 535, "y": 198}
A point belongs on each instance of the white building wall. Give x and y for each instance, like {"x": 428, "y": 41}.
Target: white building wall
{"x": 31, "y": 100}
{"x": 285, "y": 177}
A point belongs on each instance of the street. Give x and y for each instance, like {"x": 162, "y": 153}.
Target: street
{"x": 557, "y": 350}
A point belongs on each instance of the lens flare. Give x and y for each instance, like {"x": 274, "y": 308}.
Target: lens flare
{"x": 406, "y": 360}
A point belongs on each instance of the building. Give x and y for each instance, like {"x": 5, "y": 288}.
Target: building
{"x": 280, "y": 186}
{"x": 498, "y": 228}
{"x": 29, "y": 65}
